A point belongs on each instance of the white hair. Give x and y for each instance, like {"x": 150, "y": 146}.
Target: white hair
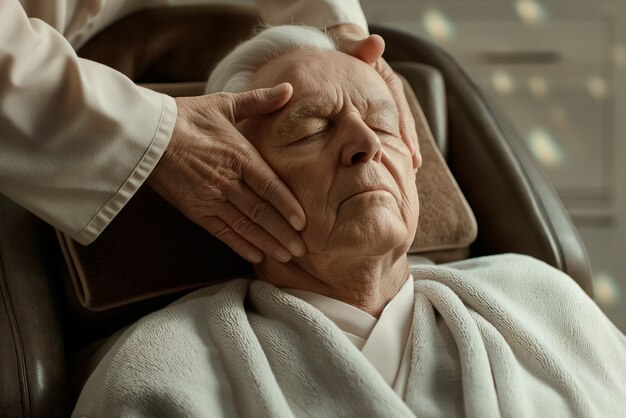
{"x": 234, "y": 73}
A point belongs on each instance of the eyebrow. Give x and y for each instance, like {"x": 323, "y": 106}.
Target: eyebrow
{"x": 308, "y": 110}
{"x": 299, "y": 113}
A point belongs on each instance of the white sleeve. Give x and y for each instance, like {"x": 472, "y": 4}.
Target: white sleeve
{"x": 317, "y": 13}
{"x": 77, "y": 138}
{"x": 79, "y": 20}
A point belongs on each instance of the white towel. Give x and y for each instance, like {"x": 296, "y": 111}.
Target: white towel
{"x": 496, "y": 336}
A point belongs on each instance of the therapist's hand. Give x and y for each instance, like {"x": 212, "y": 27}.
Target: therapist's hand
{"x": 369, "y": 48}
{"x": 216, "y": 178}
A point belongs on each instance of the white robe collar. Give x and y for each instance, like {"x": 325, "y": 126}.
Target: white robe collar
{"x": 384, "y": 341}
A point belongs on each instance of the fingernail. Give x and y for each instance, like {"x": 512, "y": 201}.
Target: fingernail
{"x": 254, "y": 257}
{"x": 417, "y": 160}
{"x": 282, "y": 255}
{"x": 297, "y": 223}
{"x": 296, "y": 248}
{"x": 278, "y": 90}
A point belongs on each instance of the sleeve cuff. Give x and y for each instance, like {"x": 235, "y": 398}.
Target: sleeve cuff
{"x": 138, "y": 176}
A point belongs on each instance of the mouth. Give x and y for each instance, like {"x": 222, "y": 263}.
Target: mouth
{"x": 369, "y": 189}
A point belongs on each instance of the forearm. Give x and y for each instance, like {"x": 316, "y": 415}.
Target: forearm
{"x": 76, "y": 138}
{"x": 79, "y": 20}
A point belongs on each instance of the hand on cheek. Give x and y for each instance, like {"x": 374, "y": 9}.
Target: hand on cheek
{"x": 216, "y": 178}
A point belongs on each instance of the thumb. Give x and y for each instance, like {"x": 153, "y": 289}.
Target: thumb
{"x": 260, "y": 101}
{"x": 367, "y": 49}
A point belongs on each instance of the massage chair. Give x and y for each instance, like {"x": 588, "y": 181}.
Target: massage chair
{"x": 53, "y": 327}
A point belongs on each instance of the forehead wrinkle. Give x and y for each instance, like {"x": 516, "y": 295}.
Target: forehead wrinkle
{"x": 313, "y": 108}
{"x": 299, "y": 113}
{"x": 383, "y": 105}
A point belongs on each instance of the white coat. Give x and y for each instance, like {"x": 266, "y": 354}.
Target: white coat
{"x": 77, "y": 138}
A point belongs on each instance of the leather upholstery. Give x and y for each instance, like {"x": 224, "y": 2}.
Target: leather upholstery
{"x": 42, "y": 330}
{"x": 32, "y": 358}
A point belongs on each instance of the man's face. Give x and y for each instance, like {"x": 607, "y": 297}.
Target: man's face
{"x": 336, "y": 145}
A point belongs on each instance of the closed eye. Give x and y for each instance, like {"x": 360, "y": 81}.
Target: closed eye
{"x": 314, "y": 131}
{"x": 383, "y": 122}
{"x": 386, "y": 130}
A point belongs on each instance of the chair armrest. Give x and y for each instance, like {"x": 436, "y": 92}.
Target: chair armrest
{"x": 32, "y": 358}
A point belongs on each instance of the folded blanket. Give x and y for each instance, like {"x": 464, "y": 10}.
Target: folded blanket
{"x": 496, "y": 336}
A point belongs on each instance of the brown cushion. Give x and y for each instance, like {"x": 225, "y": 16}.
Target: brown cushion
{"x": 150, "y": 249}
{"x": 446, "y": 226}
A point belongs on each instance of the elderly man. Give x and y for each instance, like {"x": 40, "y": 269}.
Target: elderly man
{"x": 346, "y": 330}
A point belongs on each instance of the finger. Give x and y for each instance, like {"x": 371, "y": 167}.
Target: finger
{"x": 256, "y": 102}
{"x": 262, "y": 180}
{"x": 407, "y": 126}
{"x": 228, "y": 236}
{"x": 409, "y": 136}
{"x": 252, "y": 232}
{"x": 267, "y": 217}
{"x": 417, "y": 157}
{"x": 353, "y": 40}
{"x": 408, "y": 133}
{"x": 368, "y": 49}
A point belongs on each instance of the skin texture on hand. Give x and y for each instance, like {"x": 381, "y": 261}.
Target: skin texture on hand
{"x": 216, "y": 178}
{"x": 352, "y": 40}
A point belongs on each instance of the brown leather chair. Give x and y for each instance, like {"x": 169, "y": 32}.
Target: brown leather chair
{"x": 46, "y": 338}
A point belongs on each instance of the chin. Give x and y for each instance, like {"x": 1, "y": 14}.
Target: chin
{"x": 375, "y": 232}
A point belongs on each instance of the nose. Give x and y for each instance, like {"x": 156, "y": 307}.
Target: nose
{"x": 360, "y": 143}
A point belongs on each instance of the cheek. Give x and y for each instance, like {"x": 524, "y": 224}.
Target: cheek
{"x": 413, "y": 204}
{"x": 308, "y": 178}
{"x": 400, "y": 167}
{"x": 307, "y": 173}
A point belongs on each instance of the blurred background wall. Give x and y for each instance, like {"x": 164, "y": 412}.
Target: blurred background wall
{"x": 557, "y": 68}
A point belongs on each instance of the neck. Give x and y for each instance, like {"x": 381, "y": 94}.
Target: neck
{"x": 366, "y": 282}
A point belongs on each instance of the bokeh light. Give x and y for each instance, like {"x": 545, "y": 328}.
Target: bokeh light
{"x": 437, "y": 25}
{"x": 538, "y": 86}
{"x": 545, "y": 148}
{"x": 530, "y": 11}
{"x": 502, "y": 82}
{"x": 606, "y": 290}
{"x": 597, "y": 87}
{"x": 619, "y": 56}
